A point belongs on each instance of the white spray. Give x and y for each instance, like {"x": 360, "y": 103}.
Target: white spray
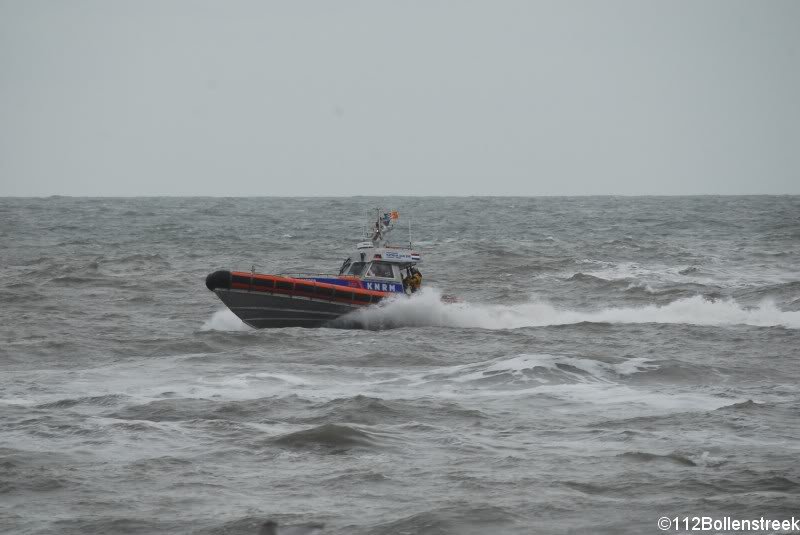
{"x": 427, "y": 309}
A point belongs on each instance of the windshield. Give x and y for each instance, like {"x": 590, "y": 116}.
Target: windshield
{"x": 381, "y": 269}
{"x": 357, "y": 269}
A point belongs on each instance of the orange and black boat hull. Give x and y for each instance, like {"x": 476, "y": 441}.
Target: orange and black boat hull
{"x": 264, "y": 301}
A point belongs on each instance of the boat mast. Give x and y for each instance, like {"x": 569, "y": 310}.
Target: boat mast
{"x": 382, "y": 226}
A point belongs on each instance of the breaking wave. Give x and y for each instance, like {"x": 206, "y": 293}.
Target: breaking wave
{"x": 427, "y": 309}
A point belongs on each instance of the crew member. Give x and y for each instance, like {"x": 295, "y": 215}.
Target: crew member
{"x": 414, "y": 280}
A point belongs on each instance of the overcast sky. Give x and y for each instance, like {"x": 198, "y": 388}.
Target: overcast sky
{"x": 185, "y": 97}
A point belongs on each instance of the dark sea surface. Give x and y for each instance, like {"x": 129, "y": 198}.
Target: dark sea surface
{"x": 613, "y": 361}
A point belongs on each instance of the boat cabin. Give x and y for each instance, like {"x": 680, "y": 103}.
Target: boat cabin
{"x": 380, "y": 268}
{"x": 376, "y": 265}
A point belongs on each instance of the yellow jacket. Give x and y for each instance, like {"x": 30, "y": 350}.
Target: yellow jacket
{"x": 414, "y": 281}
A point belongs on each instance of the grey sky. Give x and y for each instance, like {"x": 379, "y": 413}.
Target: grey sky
{"x": 428, "y": 97}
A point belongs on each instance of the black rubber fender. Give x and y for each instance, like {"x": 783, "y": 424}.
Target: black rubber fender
{"x": 219, "y": 279}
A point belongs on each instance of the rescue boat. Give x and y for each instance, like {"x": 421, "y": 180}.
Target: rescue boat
{"x": 371, "y": 273}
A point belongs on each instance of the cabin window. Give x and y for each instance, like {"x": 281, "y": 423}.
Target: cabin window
{"x": 344, "y": 267}
{"x": 357, "y": 268}
{"x": 381, "y": 269}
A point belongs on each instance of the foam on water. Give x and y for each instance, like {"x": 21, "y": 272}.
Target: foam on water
{"x": 427, "y": 309}
{"x": 581, "y": 369}
{"x": 224, "y": 320}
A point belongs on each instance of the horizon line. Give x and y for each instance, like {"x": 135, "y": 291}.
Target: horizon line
{"x": 466, "y": 196}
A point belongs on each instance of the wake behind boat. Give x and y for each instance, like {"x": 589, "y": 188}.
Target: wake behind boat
{"x": 370, "y": 274}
